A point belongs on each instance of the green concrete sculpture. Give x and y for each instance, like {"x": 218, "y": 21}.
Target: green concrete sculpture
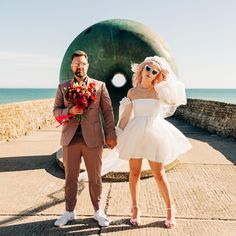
{"x": 112, "y": 46}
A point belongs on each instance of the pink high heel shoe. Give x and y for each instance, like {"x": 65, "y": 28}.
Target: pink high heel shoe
{"x": 171, "y": 223}
{"x": 135, "y": 221}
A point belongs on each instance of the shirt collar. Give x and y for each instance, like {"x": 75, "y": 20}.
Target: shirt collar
{"x": 85, "y": 80}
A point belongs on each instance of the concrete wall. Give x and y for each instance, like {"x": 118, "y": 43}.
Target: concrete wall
{"x": 217, "y": 117}
{"x": 17, "y": 119}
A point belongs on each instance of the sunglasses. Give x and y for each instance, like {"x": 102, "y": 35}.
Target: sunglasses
{"x": 154, "y": 72}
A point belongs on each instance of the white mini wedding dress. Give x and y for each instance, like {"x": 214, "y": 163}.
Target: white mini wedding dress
{"x": 149, "y": 136}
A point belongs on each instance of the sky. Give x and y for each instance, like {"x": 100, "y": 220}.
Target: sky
{"x": 34, "y": 36}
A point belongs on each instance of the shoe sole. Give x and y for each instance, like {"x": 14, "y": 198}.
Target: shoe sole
{"x": 65, "y": 223}
{"x": 99, "y": 224}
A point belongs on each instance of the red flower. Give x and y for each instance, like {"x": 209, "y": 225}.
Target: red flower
{"x": 81, "y": 102}
{"x": 93, "y": 97}
{"x": 81, "y": 96}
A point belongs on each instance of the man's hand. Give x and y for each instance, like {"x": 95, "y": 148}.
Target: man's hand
{"x": 75, "y": 110}
{"x": 111, "y": 142}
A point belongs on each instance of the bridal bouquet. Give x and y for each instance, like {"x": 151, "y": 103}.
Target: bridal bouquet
{"x": 81, "y": 96}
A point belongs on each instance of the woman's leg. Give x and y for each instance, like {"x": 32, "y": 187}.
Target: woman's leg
{"x": 159, "y": 174}
{"x": 135, "y": 166}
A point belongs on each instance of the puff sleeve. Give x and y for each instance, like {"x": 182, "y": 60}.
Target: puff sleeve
{"x": 125, "y": 111}
{"x": 171, "y": 92}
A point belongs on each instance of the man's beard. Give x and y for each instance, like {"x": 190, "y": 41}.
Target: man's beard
{"x": 79, "y": 74}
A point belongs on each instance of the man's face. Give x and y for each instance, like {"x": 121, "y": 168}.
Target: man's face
{"x": 79, "y": 66}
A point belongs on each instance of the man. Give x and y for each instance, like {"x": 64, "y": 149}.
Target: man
{"x": 85, "y": 138}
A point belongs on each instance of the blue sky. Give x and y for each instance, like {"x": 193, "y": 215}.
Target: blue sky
{"x": 35, "y": 35}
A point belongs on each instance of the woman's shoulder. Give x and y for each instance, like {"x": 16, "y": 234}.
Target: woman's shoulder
{"x": 131, "y": 93}
{"x": 132, "y": 90}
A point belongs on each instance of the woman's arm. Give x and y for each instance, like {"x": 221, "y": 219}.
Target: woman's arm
{"x": 170, "y": 91}
{"x": 125, "y": 110}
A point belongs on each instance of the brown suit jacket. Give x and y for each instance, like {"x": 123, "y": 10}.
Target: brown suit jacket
{"x": 91, "y": 125}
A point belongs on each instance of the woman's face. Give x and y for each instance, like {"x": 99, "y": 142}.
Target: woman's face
{"x": 150, "y": 71}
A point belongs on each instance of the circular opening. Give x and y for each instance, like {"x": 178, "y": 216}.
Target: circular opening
{"x": 118, "y": 80}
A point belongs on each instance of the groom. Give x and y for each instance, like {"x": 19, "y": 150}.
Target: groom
{"x": 84, "y": 139}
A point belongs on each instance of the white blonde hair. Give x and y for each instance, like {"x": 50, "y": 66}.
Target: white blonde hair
{"x": 137, "y": 68}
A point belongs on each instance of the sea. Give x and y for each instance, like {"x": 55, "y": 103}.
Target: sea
{"x": 12, "y": 95}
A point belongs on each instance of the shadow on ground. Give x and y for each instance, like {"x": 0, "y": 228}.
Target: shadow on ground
{"x": 46, "y": 227}
{"x": 86, "y": 226}
{"x": 9, "y": 164}
{"x": 53, "y": 199}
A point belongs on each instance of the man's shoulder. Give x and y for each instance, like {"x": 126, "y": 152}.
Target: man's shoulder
{"x": 65, "y": 83}
{"x": 99, "y": 82}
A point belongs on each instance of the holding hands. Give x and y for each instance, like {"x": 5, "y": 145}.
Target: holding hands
{"x": 111, "y": 142}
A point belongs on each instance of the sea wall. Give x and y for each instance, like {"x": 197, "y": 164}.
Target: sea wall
{"x": 22, "y": 118}
{"x": 217, "y": 117}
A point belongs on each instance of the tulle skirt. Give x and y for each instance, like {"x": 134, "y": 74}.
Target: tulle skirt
{"x": 152, "y": 138}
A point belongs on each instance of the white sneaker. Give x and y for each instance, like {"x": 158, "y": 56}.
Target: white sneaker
{"x": 65, "y": 218}
{"x": 101, "y": 218}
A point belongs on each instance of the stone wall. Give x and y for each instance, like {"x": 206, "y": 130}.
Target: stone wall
{"x": 217, "y": 117}
{"x": 17, "y": 119}
{"x": 22, "y": 118}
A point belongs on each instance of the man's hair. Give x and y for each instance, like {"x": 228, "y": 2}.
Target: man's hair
{"x": 79, "y": 54}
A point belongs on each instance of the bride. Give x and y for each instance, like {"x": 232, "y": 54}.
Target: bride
{"x": 142, "y": 131}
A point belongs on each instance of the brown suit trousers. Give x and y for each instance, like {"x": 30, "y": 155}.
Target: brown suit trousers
{"x": 72, "y": 154}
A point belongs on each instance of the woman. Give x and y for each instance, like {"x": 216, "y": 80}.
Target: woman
{"x": 143, "y": 133}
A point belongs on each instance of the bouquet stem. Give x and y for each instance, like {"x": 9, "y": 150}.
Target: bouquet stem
{"x": 79, "y": 117}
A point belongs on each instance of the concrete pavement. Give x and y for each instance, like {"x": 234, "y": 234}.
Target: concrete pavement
{"x": 203, "y": 188}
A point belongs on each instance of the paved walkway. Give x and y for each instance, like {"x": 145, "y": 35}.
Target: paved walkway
{"x": 203, "y": 187}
